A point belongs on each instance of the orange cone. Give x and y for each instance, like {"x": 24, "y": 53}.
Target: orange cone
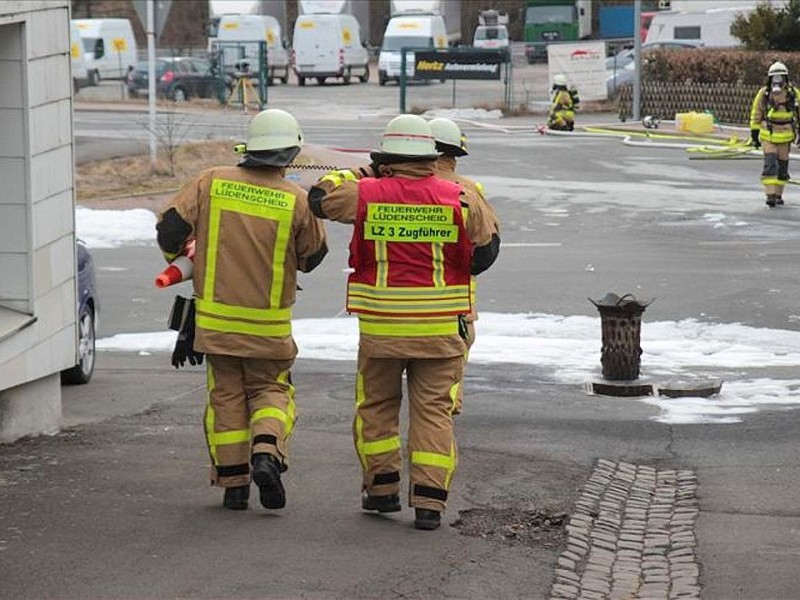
{"x": 178, "y": 270}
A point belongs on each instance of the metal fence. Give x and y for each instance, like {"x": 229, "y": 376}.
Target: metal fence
{"x": 729, "y": 103}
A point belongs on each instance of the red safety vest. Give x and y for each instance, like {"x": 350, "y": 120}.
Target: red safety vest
{"x": 410, "y": 251}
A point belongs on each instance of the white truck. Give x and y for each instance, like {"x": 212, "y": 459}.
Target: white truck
{"x": 238, "y": 38}
{"x": 414, "y": 24}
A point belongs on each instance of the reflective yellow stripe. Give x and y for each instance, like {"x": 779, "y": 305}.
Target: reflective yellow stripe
{"x": 359, "y": 422}
{"x": 236, "y": 436}
{"x": 291, "y": 410}
{"x": 409, "y": 308}
{"x": 432, "y": 459}
{"x": 408, "y": 329}
{"x": 473, "y": 290}
{"x": 270, "y": 412}
{"x": 409, "y": 293}
{"x": 257, "y": 329}
{"x": 381, "y": 446}
{"x": 437, "y": 253}
{"x": 480, "y": 189}
{"x": 209, "y": 416}
{"x": 408, "y": 300}
{"x": 772, "y": 181}
{"x": 219, "y": 309}
{"x": 210, "y": 276}
{"x": 381, "y": 264}
{"x": 256, "y": 201}
{"x": 339, "y": 177}
{"x": 442, "y": 461}
{"x": 454, "y": 389}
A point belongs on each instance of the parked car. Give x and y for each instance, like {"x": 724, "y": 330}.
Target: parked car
{"x": 177, "y": 78}
{"x": 88, "y": 308}
{"x": 620, "y": 68}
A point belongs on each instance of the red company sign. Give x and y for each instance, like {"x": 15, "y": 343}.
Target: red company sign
{"x": 583, "y": 54}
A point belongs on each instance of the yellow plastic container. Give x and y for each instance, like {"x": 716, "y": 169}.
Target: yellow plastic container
{"x": 694, "y": 122}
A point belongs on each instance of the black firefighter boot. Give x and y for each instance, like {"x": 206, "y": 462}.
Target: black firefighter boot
{"x": 267, "y": 476}
{"x": 236, "y": 497}
{"x": 383, "y": 504}
{"x": 427, "y": 519}
{"x": 771, "y": 199}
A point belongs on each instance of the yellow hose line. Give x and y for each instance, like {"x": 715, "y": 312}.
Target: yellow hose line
{"x": 733, "y": 140}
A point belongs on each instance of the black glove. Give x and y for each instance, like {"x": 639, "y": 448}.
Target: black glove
{"x": 182, "y": 319}
{"x": 754, "y": 133}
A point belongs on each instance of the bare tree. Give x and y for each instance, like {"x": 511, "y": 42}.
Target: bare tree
{"x": 170, "y": 130}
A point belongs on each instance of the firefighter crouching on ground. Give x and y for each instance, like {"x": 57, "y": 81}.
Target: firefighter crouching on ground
{"x": 253, "y": 232}
{"x": 415, "y": 242}
{"x": 774, "y": 121}
{"x": 452, "y": 143}
{"x": 562, "y": 109}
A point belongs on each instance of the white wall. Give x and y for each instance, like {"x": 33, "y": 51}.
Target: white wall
{"x": 37, "y": 223}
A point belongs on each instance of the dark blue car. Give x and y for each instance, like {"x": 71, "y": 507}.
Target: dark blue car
{"x": 87, "y": 320}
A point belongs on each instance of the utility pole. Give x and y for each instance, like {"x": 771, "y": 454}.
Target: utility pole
{"x": 637, "y": 57}
{"x": 151, "y": 84}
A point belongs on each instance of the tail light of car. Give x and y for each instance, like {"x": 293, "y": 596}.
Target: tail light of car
{"x": 167, "y": 77}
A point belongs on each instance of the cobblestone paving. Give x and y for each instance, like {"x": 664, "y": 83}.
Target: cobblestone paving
{"x": 631, "y": 536}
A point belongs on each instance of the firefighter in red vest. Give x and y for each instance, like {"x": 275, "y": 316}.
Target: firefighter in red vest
{"x": 452, "y": 143}
{"x": 416, "y": 241}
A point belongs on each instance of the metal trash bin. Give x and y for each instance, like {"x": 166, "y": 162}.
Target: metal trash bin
{"x": 621, "y": 321}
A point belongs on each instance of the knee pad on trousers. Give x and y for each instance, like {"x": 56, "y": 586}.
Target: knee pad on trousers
{"x": 783, "y": 170}
{"x": 770, "y": 165}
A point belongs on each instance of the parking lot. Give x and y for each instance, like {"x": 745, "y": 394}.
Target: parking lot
{"x": 528, "y": 91}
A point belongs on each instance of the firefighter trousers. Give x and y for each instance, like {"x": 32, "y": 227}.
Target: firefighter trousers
{"x": 776, "y": 167}
{"x": 469, "y": 340}
{"x": 250, "y": 410}
{"x": 431, "y": 449}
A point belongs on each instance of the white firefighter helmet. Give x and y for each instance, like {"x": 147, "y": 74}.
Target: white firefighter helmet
{"x": 650, "y": 122}
{"x": 560, "y": 80}
{"x": 447, "y": 133}
{"x": 777, "y": 68}
{"x": 408, "y": 135}
{"x": 273, "y": 129}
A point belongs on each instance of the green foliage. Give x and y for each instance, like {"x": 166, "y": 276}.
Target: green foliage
{"x": 711, "y": 65}
{"x": 767, "y": 28}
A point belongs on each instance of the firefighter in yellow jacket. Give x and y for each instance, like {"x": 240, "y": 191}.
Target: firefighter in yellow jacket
{"x": 451, "y": 143}
{"x": 774, "y": 123}
{"x": 415, "y": 242}
{"x": 253, "y": 231}
{"x": 562, "y": 108}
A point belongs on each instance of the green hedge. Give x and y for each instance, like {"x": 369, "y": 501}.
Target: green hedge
{"x": 711, "y": 65}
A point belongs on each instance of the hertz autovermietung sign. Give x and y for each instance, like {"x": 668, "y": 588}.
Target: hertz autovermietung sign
{"x": 469, "y": 64}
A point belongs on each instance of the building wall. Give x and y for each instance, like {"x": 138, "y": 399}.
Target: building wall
{"x": 37, "y": 218}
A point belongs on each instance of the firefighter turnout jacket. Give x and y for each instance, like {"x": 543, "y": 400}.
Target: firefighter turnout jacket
{"x": 776, "y": 115}
{"x": 413, "y": 234}
{"x": 254, "y": 231}
{"x": 446, "y": 169}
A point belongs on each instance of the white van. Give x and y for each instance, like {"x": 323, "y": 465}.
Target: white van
{"x": 407, "y": 31}
{"x": 238, "y": 37}
{"x": 80, "y": 74}
{"x": 329, "y": 45}
{"x": 109, "y": 47}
